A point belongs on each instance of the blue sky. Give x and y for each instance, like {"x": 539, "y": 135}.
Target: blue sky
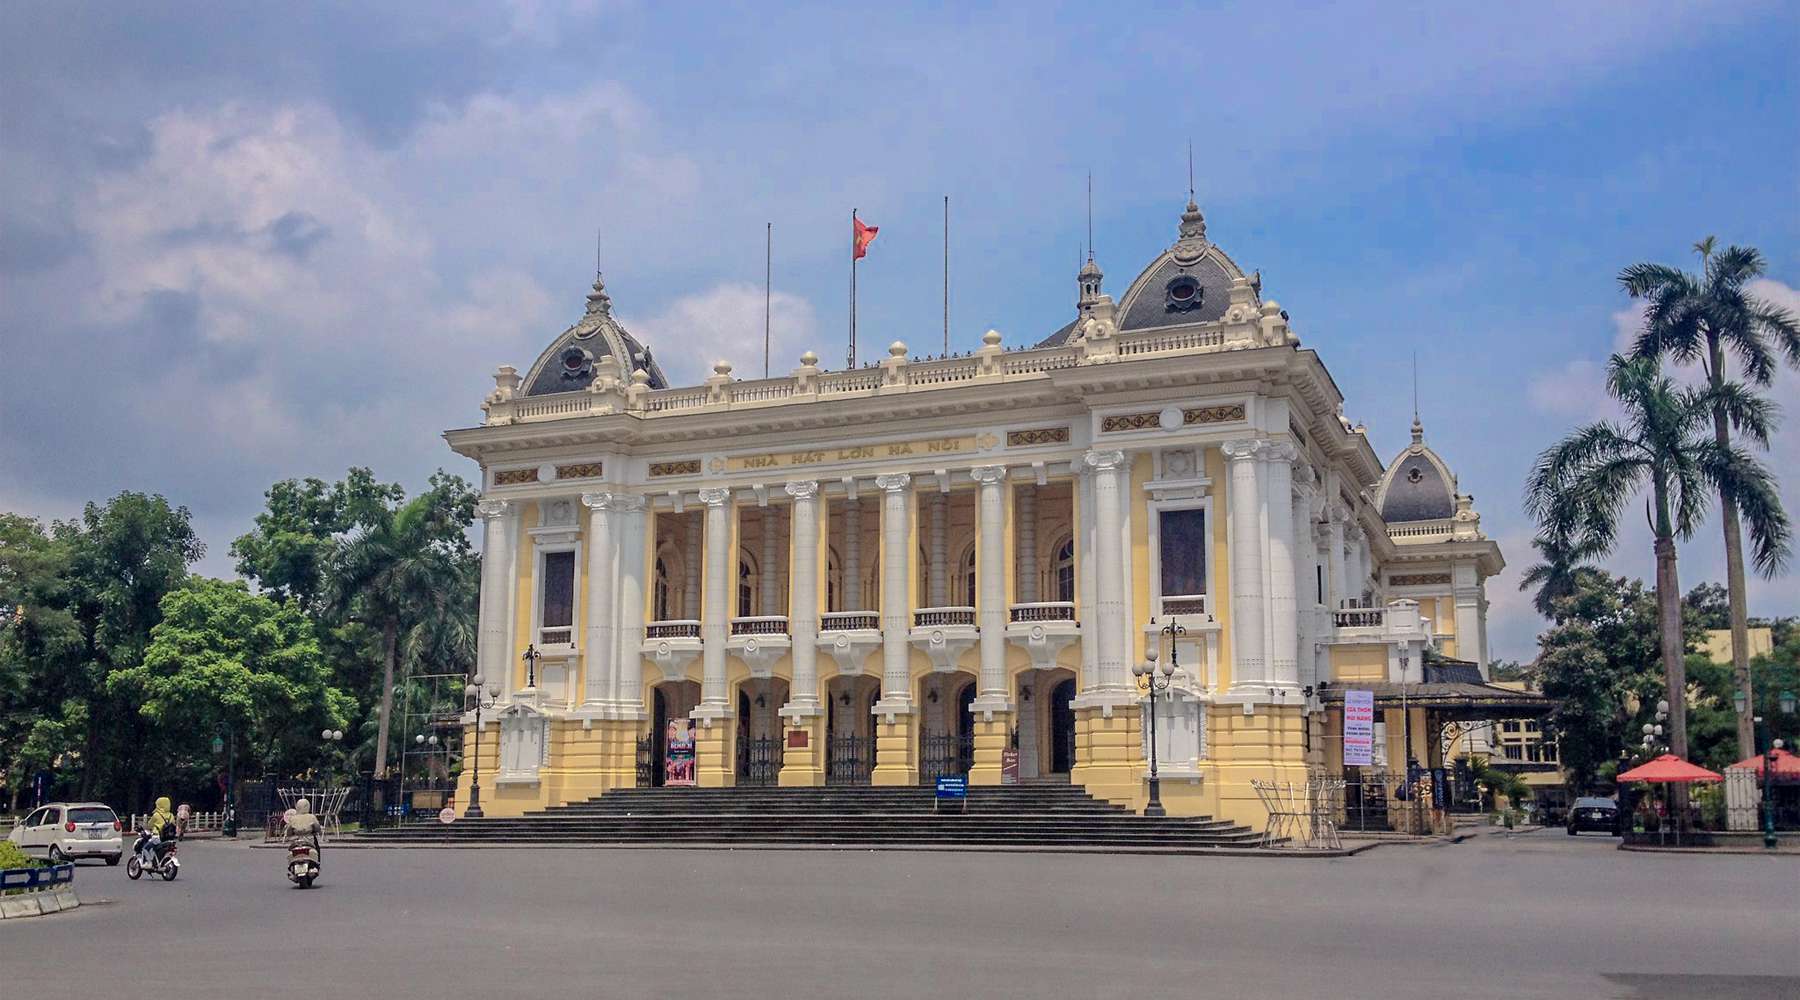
{"x": 239, "y": 245}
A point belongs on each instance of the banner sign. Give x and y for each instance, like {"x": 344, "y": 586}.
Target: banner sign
{"x": 1359, "y": 728}
{"x": 1009, "y": 766}
{"x": 678, "y": 757}
{"x": 952, "y": 786}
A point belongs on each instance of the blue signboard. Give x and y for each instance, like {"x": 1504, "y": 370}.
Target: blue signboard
{"x": 951, "y": 786}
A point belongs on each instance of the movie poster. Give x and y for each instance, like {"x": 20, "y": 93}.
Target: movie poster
{"x": 678, "y": 756}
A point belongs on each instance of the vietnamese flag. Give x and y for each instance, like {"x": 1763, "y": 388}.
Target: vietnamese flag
{"x": 861, "y": 237}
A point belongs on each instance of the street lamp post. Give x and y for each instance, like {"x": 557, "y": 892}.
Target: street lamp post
{"x": 481, "y": 697}
{"x": 1157, "y": 681}
{"x": 331, "y": 737}
{"x": 1786, "y": 702}
{"x": 531, "y": 656}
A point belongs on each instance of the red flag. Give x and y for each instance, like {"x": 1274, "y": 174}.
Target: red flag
{"x": 862, "y": 237}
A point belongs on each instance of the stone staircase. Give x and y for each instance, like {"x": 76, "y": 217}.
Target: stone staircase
{"x": 1016, "y": 816}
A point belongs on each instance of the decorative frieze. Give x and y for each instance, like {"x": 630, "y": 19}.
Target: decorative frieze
{"x": 678, "y": 467}
{"x": 515, "y": 477}
{"x": 1036, "y": 436}
{"x": 1419, "y": 580}
{"x": 1212, "y": 414}
{"x": 1129, "y": 422}
{"x": 1224, "y": 413}
{"x": 583, "y": 470}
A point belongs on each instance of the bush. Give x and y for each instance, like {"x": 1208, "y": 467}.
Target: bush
{"x": 13, "y": 856}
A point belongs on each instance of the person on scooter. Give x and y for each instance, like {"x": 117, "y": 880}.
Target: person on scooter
{"x": 161, "y": 828}
{"x": 303, "y": 826}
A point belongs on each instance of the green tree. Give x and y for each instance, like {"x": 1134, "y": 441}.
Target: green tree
{"x": 1565, "y": 562}
{"x": 1579, "y": 487}
{"x": 289, "y": 551}
{"x": 40, "y": 649}
{"x": 392, "y": 572}
{"x": 224, "y": 659}
{"x": 1599, "y": 666}
{"x": 1701, "y": 318}
{"x": 1708, "y": 607}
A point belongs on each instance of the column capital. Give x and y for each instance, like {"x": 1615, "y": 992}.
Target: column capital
{"x": 598, "y": 501}
{"x": 1337, "y": 512}
{"x": 803, "y": 489}
{"x": 893, "y": 482}
{"x": 1098, "y": 460}
{"x": 1243, "y": 449}
{"x": 629, "y": 503}
{"x": 1305, "y": 479}
{"x": 1280, "y": 451}
{"x": 715, "y": 496}
{"x": 492, "y": 508}
{"x": 988, "y": 475}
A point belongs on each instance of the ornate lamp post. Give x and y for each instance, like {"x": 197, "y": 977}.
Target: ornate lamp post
{"x": 331, "y": 738}
{"x": 1157, "y": 681}
{"x": 480, "y": 696}
{"x": 531, "y": 656}
{"x": 1786, "y": 702}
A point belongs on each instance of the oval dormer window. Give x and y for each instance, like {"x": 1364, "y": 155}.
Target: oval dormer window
{"x": 1184, "y": 293}
{"x": 576, "y": 363}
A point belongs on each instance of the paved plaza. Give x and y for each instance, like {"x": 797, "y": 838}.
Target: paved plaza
{"x": 1530, "y": 915}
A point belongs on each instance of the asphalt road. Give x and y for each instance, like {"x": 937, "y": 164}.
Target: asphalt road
{"x": 1534, "y": 915}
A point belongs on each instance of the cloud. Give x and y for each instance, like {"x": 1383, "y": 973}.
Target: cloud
{"x": 725, "y": 323}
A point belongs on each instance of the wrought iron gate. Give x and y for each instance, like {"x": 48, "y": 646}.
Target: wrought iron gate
{"x": 646, "y": 761}
{"x": 849, "y": 760}
{"x": 759, "y": 760}
{"x": 943, "y": 753}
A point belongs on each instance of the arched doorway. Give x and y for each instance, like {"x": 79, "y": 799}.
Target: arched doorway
{"x": 1044, "y": 730}
{"x": 670, "y": 701}
{"x": 1062, "y": 727}
{"x": 947, "y": 725}
{"x": 850, "y": 729}
{"x": 759, "y": 730}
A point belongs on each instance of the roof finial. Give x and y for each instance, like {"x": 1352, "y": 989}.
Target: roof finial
{"x": 1418, "y": 429}
{"x": 1090, "y": 215}
{"x": 597, "y": 299}
{"x": 1193, "y": 223}
{"x": 1190, "y": 172}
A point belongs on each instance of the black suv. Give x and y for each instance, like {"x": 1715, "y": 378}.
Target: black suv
{"x": 1594, "y": 814}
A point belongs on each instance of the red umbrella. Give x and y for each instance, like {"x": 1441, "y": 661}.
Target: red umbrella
{"x": 1670, "y": 769}
{"x": 1787, "y": 766}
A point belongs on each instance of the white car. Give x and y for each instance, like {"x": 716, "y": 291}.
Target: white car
{"x": 64, "y": 831}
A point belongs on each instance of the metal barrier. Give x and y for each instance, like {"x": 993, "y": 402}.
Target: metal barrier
{"x": 36, "y": 879}
{"x": 1301, "y": 816}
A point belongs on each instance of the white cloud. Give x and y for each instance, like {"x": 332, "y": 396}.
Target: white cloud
{"x": 725, "y": 323}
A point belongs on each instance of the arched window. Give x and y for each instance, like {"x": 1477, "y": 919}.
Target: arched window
{"x": 1065, "y": 570}
{"x": 662, "y": 591}
{"x": 747, "y": 579}
{"x": 834, "y": 581}
{"x": 966, "y": 574}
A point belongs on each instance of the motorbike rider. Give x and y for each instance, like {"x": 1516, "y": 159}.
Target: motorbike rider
{"x": 303, "y": 826}
{"x": 161, "y": 828}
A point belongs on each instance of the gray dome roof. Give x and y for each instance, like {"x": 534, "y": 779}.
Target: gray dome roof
{"x": 569, "y": 362}
{"x": 1417, "y": 486}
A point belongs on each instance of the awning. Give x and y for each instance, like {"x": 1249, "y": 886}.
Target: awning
{"x": 1450, "y": 700}
{"x": 1787, "y": 766}
{"x": 1669, "y": 769}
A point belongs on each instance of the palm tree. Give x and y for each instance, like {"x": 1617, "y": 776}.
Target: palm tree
{"x": 390, "y": 575}
{"x": 1557, "y": 577}
{"x": 1579, "y": 487}
{"x": 1699, "y": 318}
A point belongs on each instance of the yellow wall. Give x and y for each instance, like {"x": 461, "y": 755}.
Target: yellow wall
{"x": 1718, "y": 644}
{"x": 527, "y": 595}
{"x": 1360, "y": 662}
{"x": 1218, "y": 580}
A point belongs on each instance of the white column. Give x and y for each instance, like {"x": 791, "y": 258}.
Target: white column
{"x": 1337, "y": 579}
{"x": 937, "y": 574}
{"x": 597, "y": 653}
{"x": 1108, "y": 551}
{"x": 628, "y": 667}
{"x": 896, "y": 599}
{"x": 1283, "y": 612}
{"x": 492, "y": 657}
{"x": 852, "y": 597}
{"x": 990, "y": 570}
{"x": 1025, "y": 574}
{"x": 1305, "y": 572}
{"x": 1468, "y": 626}
{"x": 715, "y": 613}
{"x": 1356, "y": 570}
{"x": 690, "y": 563}
{"x": 1087, "y": 583}
{"x": 1249, "y": 670}
{"x": 803, "y": 609}
{"x": 769, "y": 586}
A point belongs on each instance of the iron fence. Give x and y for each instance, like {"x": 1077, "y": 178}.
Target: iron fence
{"x": 849, "y": 760}
{"x": 943, "y": 754}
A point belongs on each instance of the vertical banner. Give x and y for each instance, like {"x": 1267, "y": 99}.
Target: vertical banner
{"x": 1009, "y": 766}
{"x": 1359, "y": 728}
{"x": 678, "y": 761}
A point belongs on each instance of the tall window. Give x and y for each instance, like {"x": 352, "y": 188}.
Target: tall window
{"x": 662, "y": 591}
{"x": 1065, "y": 571}
{"x": 559, "y": 596}
{"x": 746, "y": 586}
{"x": 1183, "y": 552}
{"x": 968, "y": 577}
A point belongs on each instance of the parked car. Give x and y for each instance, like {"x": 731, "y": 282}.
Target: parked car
{"x": 64, "y": 831}
{"x": 1594, "y": 814}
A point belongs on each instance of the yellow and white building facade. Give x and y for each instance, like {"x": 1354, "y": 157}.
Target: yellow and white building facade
{"x": 921, "y": 566}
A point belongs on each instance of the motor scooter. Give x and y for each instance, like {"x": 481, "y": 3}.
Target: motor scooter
{"x": 303, "y": 863}
{"x": 162, "y": 860}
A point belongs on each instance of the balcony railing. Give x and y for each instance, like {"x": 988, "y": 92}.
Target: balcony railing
{"x": 556, "y": 636}
{"x": 685, "y": 628}
{"x": 1359, "y": 617}
{"x": 760, "y": 625}
{"x": 937, "y": 617}
{"x": 844, "y": 621}
{"x": 1184, "y": 604}
{"x": 1043, "y": 611}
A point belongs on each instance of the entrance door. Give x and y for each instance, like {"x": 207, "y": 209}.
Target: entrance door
{"x": 1062, "y": 728}
{"x": 659, "y": 741}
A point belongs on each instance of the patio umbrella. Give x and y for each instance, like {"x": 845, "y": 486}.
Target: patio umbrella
{"x": 1669, "y": 769}
{"x": 1787, "y": 765}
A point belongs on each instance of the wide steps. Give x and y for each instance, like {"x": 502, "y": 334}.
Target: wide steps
{"x": 1036, "y": 815}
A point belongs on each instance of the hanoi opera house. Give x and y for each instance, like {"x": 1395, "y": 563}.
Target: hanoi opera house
{"x": 950, "y": 566}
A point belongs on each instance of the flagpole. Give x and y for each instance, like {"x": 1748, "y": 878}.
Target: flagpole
{"x": 852, "y": 361}
{"x": 768, "y": 274}
{"x": 946, "y": 276}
